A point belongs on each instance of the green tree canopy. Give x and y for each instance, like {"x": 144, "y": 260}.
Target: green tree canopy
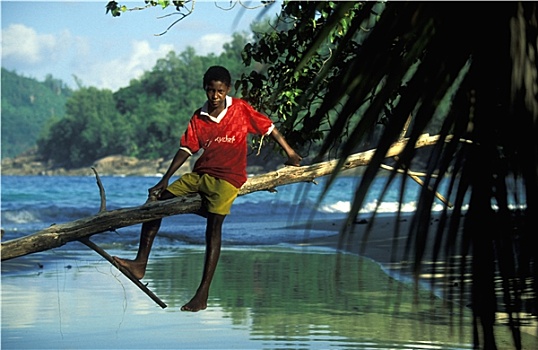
{"x": 27, "y": 106}
{"x": 88, "y": 132}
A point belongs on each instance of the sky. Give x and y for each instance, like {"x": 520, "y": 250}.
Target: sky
{"x": 68, "y": 39}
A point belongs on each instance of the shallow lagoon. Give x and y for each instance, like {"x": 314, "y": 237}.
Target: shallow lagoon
{"x": 266, "y": 298}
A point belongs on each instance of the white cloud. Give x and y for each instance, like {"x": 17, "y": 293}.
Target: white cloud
{"x": 24, "y": 45}
{"x": 37, "y": 55}
{"x": 212, "y": 43}
{"x": 118, "y": 72}
{"x": 107, "y": 64}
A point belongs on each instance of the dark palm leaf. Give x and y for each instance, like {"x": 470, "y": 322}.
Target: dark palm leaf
{"x": 414, "y": 57}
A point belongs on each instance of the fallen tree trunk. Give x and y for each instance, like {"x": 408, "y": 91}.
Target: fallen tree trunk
{"x": 59, "y": 234}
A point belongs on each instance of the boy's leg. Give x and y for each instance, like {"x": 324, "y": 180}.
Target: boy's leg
{"x": 137, "y": 267}
{"x": 213, "y": 244}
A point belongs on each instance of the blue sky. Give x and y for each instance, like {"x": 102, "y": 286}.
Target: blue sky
{"x": 72, "y": 38}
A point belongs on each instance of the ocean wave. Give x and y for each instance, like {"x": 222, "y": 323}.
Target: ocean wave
{"x": 344, "y": 207}
{"x": 46, "y": 215}
{"x": 338, "y": 207}
{"x": 19, "y": 217}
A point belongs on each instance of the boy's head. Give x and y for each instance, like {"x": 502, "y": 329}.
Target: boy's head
{"x": 217, "y": 73}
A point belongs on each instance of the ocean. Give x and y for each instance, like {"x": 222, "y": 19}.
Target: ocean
{"x": 269, "y": 292}
{"x": 32, "y": 203}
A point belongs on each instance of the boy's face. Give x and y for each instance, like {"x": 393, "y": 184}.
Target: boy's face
{"x": 216, "y": 92}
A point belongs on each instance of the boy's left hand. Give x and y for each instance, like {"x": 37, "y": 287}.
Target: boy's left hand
{"x": 294, "y": 160}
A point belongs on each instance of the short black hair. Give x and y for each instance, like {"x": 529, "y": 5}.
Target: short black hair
{"x": 217, "y": 73}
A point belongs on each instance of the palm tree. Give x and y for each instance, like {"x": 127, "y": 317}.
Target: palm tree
{"x": 380, "y": 63}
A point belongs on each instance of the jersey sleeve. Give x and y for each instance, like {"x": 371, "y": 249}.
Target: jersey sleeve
{"x": 190, "y": 141}
{"x": 259, "y": 124}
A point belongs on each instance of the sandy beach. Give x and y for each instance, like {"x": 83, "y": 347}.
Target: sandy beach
{"x": 379, "y": 243}
{"x": 442, "y": 275}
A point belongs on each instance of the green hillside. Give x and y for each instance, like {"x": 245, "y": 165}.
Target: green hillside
{"x": 27, "y": 106}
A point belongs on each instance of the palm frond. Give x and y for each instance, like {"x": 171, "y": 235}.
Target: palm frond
{"x": 417, "y": 55}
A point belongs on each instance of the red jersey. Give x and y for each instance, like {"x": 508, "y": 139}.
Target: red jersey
{"x": 224, "y": 139}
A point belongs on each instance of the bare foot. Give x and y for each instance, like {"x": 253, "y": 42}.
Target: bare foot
{"x": 137, "y": 269}
{"x": 195, "y": 305}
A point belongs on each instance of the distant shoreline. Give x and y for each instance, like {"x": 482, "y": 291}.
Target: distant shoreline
{"x": 116, "y": 165}
{"x": 30, "y": 165}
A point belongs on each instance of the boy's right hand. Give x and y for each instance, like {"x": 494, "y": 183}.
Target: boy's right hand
{"x": 158, "y": 188}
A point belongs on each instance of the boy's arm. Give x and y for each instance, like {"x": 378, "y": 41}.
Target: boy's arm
{"x": 180, "y": 158}
{"x": 293, "y": 158}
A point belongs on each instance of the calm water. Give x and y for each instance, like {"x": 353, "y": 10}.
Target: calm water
{"x": 263, "y": 298}
{"x": 268, "y": 293}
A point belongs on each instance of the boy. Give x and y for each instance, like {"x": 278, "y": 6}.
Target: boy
{"x": 220, "y": 128}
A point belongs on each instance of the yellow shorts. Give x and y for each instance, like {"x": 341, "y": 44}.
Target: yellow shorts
{"x": 217, "y": 195}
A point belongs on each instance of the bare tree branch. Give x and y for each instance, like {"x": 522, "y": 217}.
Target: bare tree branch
{"x": 59, "y": 234}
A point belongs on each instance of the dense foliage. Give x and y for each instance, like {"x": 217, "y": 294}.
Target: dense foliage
{"x": 144, "y": 119}
{"x": 312, "y": 48}
{"x": 88, "y": 131}
{"x": 27, "y": 106}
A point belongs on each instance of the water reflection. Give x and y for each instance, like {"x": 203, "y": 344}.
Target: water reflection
{"x": 314, "y": 297}
{"x": 267, "y": 297}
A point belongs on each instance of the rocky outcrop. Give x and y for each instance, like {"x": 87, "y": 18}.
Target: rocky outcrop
{"x": 128, "y": 166}
{"x": 115, "y": 165}
{"x": 111, "y": 165}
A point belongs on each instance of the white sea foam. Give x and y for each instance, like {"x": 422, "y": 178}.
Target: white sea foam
{"x": 342, "y": 207}
{"x": 19, "y": 217}
{"x": 338, "y": 207}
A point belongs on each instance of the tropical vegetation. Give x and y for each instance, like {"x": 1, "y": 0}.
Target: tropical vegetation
{"x": 28, "y": 106}
{"x": 349, "y": 73}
